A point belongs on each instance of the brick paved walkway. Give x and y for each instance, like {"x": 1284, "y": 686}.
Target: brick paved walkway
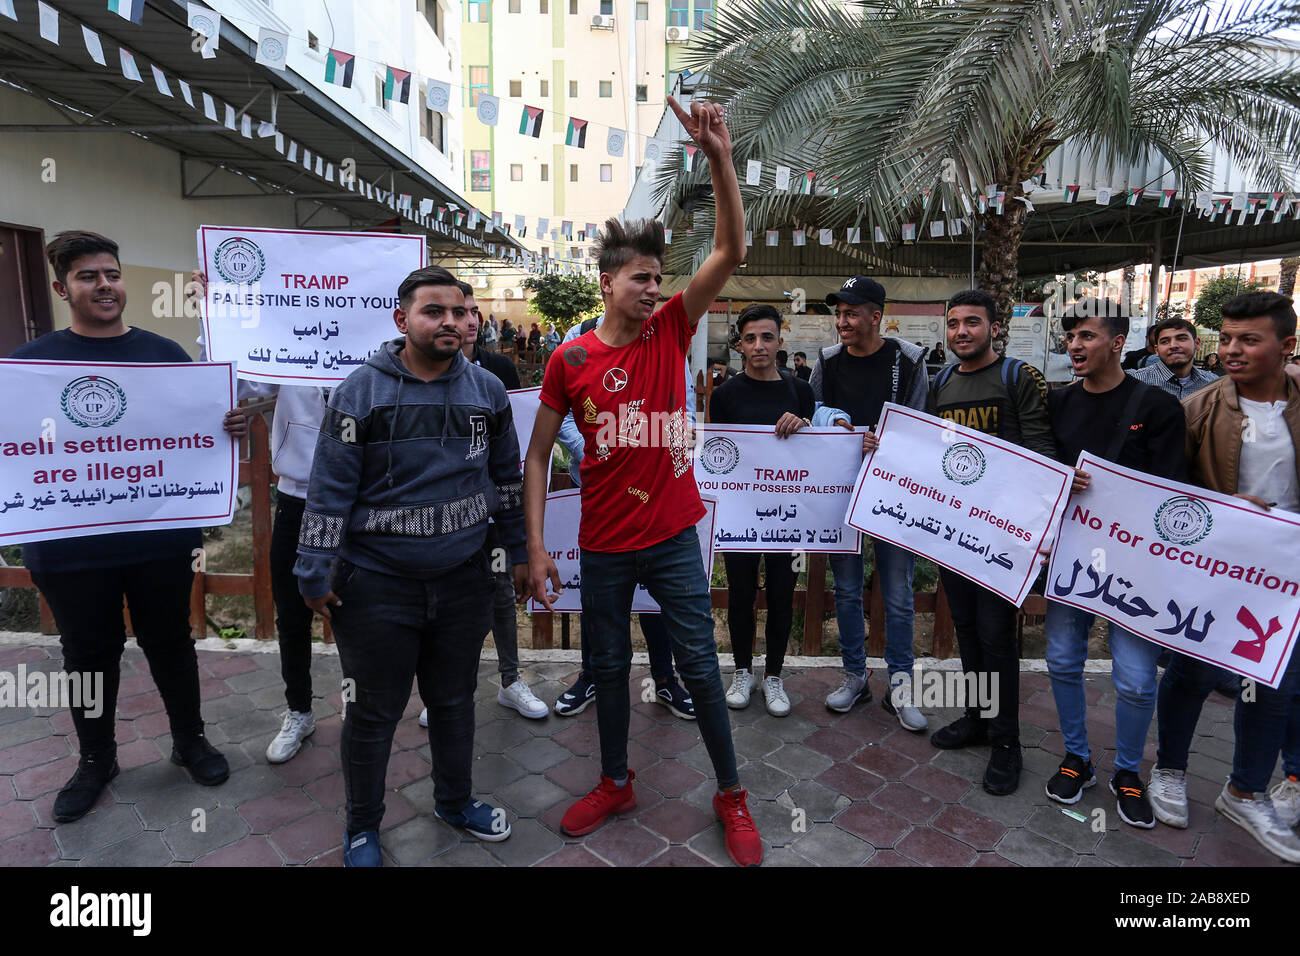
{"x": 871, "y": 793}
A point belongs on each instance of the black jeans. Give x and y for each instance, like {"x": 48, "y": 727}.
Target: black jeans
{"x": 388, "y": 630}
{"x": 742, "y": 588}
{"x": 87, "y": 608}
{"x": 986, "y": 637}
{"x": 292, "y": 615}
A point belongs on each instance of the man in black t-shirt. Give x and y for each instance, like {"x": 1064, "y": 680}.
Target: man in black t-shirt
{"x": 801, "y": 366}
{"x": 1116, "y": 417}
{"x": 84, "y": 580}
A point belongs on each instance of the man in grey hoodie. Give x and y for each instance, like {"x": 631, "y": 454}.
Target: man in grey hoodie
{"x": 415, "y": 452}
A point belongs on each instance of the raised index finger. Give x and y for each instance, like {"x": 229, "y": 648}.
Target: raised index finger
{"x": 677, "y": 108}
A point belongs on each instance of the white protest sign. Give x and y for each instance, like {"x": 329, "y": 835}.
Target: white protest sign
{"x": 779, "y": 494}
{"x": 977, "y": 505}
{"x": 98, "y": 448}
{"x": 560, "y": 536}
{"x": 297, "y": 307}
{"x": 1204, "y": 574}
{"x": 523, "y": 406}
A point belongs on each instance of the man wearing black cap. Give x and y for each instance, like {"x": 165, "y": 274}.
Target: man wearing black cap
{"x": 859, "y": 375}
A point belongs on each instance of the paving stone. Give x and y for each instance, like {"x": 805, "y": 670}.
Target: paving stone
{"x": 885, "y": 858}
{"x": 573, "y": 856}
{"x": 473, "y": 853}
{"x": 676, "y": 820}
{"x": 710, "y": 843}
{"x": 254, "y": 680}
{"x": 276, "y": 809}
{"x": 420, "y": 839}
{"x": 1213, "y": 850}
{"x": 33, "y": 848}
{"x": 944, "y": 786}
{"x": 538, "y": 754}
{"x": 798, "y": 761}
{"x": 16, "y": 817}
{"x": 582, "y": 738}
{"x": 765, "y": 781}
{"x": 832, "y": 743}
{"x": 45, "y": 777}
{"x": 328, "y": 791}
{"x": 308, "y": 764}
{"x": 1124, "y": 850}
{"x": 781, "y": 856}
{"x": 213, "y": 689}
{"x": 33, "y": 753}
{"x": 916, "y": 746}
{"x": 883, "y": 761}
{"x": 248, "y": 784}
{"x": 96, "y": 830}
{"x": 500, "y": 735}
{"x": 969, "y": 764}
{"x": 791, "y": 727}
{"x": 979, "y": 831}
{"x": 625, "y": 843}
{"x": 992, "y": 859}
{"x": 1029, "y": 849}
{"x": 907, "y": 802}
{"x": 261, "y": 725}
{"x": 753, "y": 743}
{"x": 309, "y": 837}
{"x": 577, "y": 775}
{"x": 223, "y": 826}
{"x": 159, "y": 810}
{"x": 529, "y": 842}
{"x": 24, "y": 731}
{"x": 851, "y": 781}
{"x": 139, "y": 705}
{"x": 231, "y": 665}
{"x": 1091, "y": 861}
{"x": 1052, "y": 823}
{"x": 678, "y": 856}
{"x": 878, "y": 827}
{"x": 668, "y": 740}
{"x": 405, "y": 767}
{"x": 827, "y": 845}
{"x": 144, "y": 849}
{"x": 670, "y": 778}
{"x": 491, "y": 771}
{"x": 532, "y": 795}
{"x": 1012, "y": 810}
{"x": 932, "y": 848}
{"x": 821, "y": 803}
{"x": 251, "y": 851}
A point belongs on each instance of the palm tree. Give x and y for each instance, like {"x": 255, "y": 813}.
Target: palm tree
{"x": 906, "y": 108}
{"x": 1286, "y": 277}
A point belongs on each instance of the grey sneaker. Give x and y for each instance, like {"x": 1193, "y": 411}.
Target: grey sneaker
{"x": 424, "y": 717}
{"x": 742, "y": 685}
{"x": 1167, "y": 791}
{"x": 853, "y": 688}
{"x": 778, "y": 704}
{"x": 296, "y": 728}
{"x": 899, "y": 703}
{"x": 1286, "y": 800}
{"x": 1258, "y": 818}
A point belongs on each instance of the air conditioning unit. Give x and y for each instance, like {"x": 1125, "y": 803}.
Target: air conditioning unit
{"x": 510, "y": 294}
{"x": 679, "y": 35}
{"x": 602, "y": 21}
{"x": 480, "y": 282}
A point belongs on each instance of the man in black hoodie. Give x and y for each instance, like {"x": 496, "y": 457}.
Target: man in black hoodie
{"x": 416, "y": 451}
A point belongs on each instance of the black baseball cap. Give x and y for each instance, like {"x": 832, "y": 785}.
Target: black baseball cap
{"x": 857, "y": 291}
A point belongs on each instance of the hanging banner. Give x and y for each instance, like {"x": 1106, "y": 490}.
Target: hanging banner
{"x": 104, "y": 447}
{"x": 1204, "y": 574}
{"x": 297, "y": 307}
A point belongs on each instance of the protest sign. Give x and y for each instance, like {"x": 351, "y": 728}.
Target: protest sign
{"x": 779, "y": 494}
{"x": 977, "y": 505}
{"x": 1201, "y": 573}
{"x": 95, "y": 448}
{"x": 297, "y": 307}
{"x": 560, "y": 536}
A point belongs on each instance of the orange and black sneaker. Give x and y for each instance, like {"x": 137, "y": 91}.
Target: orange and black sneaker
{"x": 592, "y": 810}
{"x": 1073, "y": 777}
{"x": 1131, "y": 800}
{"x": 743, "y": 843}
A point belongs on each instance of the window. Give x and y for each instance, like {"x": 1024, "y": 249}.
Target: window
{"x": 480, "y": 170}
{"x": 606, "y": 173}
{"x": 703, "y": 14}
{"x": 516, "y": 172}
{"x": 573, "y": 7}
{"x": 607, "y": 7}
{"x": 642, "y": 93}
{"x": 431, "y": 122}
{"x": 432, "y": 14}
{"x": 573, "y": 88}
{"x": 479, "y": 10}
{"x": 606, "y": 88}
{"x": 515, "y": 6}
{"x": 516, "y": 88}
{"x": 478, "y": 83}
{"x": 679, "y": 13}
{"x": 380, "y": 100}
{"x": 642, "y": 10}
{"x": 312, "y": 42}
{"x": 546, "y": 173}
{"x": 573, "y": 172}
{"x": 546, "y": 87}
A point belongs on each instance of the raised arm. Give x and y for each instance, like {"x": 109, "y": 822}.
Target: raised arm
{"x": 705, "y": 125}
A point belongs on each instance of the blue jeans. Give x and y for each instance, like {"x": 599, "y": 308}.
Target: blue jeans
{"x": 894, "y": 574}
{"x": 674, "y": 575}
{"x": 657, "y": 645}
{"x": 1133, "y": 670}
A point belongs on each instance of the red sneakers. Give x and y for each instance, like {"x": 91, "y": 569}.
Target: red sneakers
{"x": 743, "y": 843}
{"x": 608, "y": 798}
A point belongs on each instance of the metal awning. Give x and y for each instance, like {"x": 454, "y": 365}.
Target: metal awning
{"x": 95, "y": 99}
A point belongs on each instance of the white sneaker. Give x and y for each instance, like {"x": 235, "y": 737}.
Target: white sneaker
{"x": 778, "y": 705}
{"x": 1167, "y": 791}
{"x": 518, "y": 696}
{"x": 1257, "y": 817}
{"x": 899, "y": 703}
{"x": 1286, "y": 801}
{"x": 742, "y": 685}
{"x": 424, "y": 717}
{"x": 296, "y": 728}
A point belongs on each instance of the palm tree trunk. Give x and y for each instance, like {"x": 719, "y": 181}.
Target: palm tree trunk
{"x": 1286, "y": 278}
{"x": 998, "y": 269}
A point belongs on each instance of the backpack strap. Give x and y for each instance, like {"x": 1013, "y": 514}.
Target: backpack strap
{"x": 587, "y": 326}
{"x": 940, "y": 379}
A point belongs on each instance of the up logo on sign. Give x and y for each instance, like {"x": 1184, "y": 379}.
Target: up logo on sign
{"x": 1183, "y": 520}
{"x": 963, "y": 463}
{"x": 93, "y": 401}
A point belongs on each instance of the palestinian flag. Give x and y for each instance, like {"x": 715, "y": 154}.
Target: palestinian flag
{"x": 909, "y": 232}
{"x": 132, "y": 10}
{"x": 805, "y": 185}
{"x": 1071, "y": 194}
{"x": 799, "y": 237}
{"x": 1134, "y": 194}
{"x": 496, "y": 220}
{"x": 530, "y": 122}
{"x": 982, "y": 202}
{"x": 880, "y": 234}
{"x": 397, "y": 85}
{"x": 688, "y": 157}
{"x": 577, "y": 134}
{"x": 460, "y": 219}
{"x": 1274, "y": 201}
{"x": 1167, "y": 197}
{"x": 338, "y": 68}
{"x": 566, "y": 228}
{"x": 442, "y": 212}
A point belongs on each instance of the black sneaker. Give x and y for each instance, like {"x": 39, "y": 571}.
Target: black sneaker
{"x": 962, "y": 732}
{"x": 578, "y": 697}
{"x": 94, "y": 771}
{"x": 1074, "y": 776}
{"x": 1002, "y": 775}
{"x": 204, "y": 762}
{"x": 1131, "y": 800}
{"x": 674, "y": 697}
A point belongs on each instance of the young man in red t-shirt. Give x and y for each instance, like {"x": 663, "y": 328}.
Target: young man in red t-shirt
{"x": 623, "y": 382}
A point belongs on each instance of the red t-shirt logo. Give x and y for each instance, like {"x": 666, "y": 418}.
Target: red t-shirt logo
{"x": 615, "y": 380}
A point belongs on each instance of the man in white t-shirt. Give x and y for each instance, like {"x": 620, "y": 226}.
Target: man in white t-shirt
{"x": 1243, "y": 433}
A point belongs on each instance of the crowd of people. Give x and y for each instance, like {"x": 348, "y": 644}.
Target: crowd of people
{"x": 402, "y": 518}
